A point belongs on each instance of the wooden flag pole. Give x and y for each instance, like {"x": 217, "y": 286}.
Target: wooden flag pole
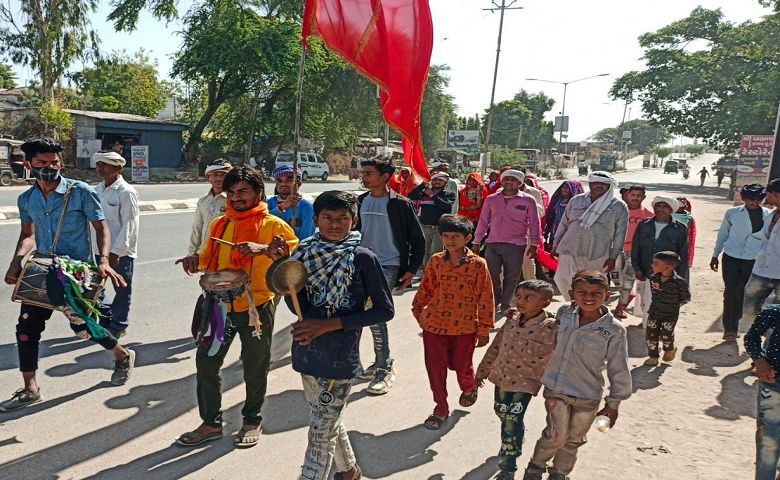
{"x": 294, "y": 222}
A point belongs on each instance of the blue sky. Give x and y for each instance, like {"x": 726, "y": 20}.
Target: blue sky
{"x": 559, "y": 40}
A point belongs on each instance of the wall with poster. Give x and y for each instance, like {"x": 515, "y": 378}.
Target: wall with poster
{"x": 139, "y": 163}
{"x": 467, "y": 140}
{"x": 755, "y": 154}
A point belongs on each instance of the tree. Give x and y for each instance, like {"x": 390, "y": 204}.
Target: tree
{"x": 663, "y": 152}
{"x": 438, "y": 109}
{"x": 695, "y": 149}
{"x": 607, "y": 135}
{"x": 122, "y": 83}
{"x": 520, "y": 122}
{"x": 718, "y": 92}
{"x": 7, "y": 77}
{"x": 48, "y": 35}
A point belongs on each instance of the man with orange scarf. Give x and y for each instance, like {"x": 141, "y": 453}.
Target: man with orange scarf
{"x": 259, "y": 238}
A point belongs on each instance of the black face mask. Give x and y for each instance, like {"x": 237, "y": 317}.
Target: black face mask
{"x": 45, "y": 174}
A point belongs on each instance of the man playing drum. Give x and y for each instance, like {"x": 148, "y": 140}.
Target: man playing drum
{"x": 258, "y": 238}
{"x": 41, "y": 212}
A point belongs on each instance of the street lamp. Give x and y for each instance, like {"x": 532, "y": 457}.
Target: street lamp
{"x": 563, "y": 105}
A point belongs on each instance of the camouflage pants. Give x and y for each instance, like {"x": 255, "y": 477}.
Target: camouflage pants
{"x": 659, "y": 328}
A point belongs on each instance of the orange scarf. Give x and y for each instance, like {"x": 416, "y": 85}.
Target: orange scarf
{"x": 246, "y": 226}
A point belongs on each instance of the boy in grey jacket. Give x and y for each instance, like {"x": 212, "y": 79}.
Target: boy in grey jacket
{"x": 590, "y": 341}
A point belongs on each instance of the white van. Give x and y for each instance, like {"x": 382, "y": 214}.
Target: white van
{"x": 310, "y": 164}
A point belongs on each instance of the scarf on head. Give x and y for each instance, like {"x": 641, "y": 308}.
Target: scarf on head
{"x": 247, "y": 224}
{"x": 538, "y": 185}
{"x": 411, "y": 182}
{"x": 575, "y": 186}
{"x": 595, "y": 209}
{"x": 671, "y": 201}
{"x": 330, "y": 266}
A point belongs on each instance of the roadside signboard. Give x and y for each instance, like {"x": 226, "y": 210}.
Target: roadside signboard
{"x": 467, "y": 140}
{"x": 562, "y": 123}
{"x": 139, "y": 163}
{"x": 755, "y": 153}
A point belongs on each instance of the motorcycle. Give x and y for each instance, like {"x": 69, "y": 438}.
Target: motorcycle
{"x": 686, "y": 174}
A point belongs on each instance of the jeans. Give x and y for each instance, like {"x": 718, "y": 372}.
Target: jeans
{"x": 432, "y": 241}
{"x": 256, "y": 360}
{"x": 379, "y": 331}
{"x": 454, "y": 352}
{"x": 510, "y": 408}
{"x": 767, "y": 431}
{"x": 32, "y": 322}
{"x": 328, "y": 440}
{"x": 757, "y": 291}
{"x": 568, "y": 420}
{"x": 118, "y": 319}
{"x": 736, "y": 273}
{"x": 506, "y": 258}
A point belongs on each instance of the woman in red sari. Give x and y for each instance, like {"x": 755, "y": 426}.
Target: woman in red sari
{"x": 471, "y": 197}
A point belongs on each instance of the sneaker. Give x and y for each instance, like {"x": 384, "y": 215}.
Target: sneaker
{"x": 670, "y": 354}
{"x": 20, "y": 399}
{"x": 651, "y": 362}
{"x": 505, "y": 475}
{"x": 122, "y": 370}
{"x": 730, "y": 336}
{"x": 368, "y": 372}
{"x": 382, "y": 382}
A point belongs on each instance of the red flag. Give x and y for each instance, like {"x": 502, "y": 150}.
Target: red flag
{"x": 390, "y": 42}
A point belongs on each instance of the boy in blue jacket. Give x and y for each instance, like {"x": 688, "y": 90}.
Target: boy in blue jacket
{"x": 343, "y": 276}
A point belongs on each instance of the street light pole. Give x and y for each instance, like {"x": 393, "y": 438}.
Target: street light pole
{"x": 502, "y": 8}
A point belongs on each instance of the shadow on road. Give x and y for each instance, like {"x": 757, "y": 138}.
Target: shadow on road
{"x": 637, "y": 346}
{"x": 484, "y": 471}
{"x": 725, "y": 354}
{"x": 9, "y": 358}
{"x": 155, "y": 405}
{"x": 646, "y": 378}
{"x": 401, "y": 450}
{"x": 737, "y": 397}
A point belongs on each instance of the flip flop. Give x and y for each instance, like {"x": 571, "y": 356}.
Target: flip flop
{"x": 248, "y": 436}
{"x": 433, "y": 422}
{"x": 193, "y": 438}
{"x": 468, "y": 399}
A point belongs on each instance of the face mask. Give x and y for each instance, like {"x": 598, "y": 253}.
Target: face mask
{"x": 45, "y": 174}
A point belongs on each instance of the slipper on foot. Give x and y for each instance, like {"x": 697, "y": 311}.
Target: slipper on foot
{"x": 190, "y": 439}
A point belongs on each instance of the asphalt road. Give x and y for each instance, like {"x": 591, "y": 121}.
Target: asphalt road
{"x": 86, "y": 428}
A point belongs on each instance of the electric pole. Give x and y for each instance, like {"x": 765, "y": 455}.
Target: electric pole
{"x": 503, "y": 7}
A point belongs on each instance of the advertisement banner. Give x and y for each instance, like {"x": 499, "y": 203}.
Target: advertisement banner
{"x": 139, "y": 163}
{"x": 755, "y": 154}
{"x": 467, "y": 140}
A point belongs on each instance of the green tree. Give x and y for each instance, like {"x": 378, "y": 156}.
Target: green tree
{"x": 7, "y": 77}
{"x": 48, "y": 36}
{"x": 695, "y": 149}
{"x": 520, "y": 122}
{"x": 607, "y": 135}
{"x": 122, "y": 83}
{"x": 718, "y": 92}
{"x": 438, "y": 109}
{"x": 663, "y": 152}
{"x": 645, "y": 134}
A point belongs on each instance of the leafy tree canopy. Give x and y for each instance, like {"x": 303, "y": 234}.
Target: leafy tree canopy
{"x": 644, "y": 134}
{"x": 438, "y": 109}
{"x": 709, "y": 78}
{"x": 7, "y": 77}
{"x": 519, "y": 122}
{"x": 123, "y": 83}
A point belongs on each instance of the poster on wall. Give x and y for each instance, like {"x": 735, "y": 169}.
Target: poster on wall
{"x": 755, "y": 154}
{"x": 139, "y": 162}
{"x": 467, "y": 140}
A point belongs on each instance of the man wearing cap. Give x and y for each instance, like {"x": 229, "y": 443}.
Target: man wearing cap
{"x": 210, "y": 206}
{"x": 434, "y": 201}
{"x": 120, "y": 204}
{"x": 283, "y": 204}
{"x": 513, "y": 220}
{"x": 452, "y": 185}
{"x": 739, "y": 239}
{"x": 591, "y": 233}
{"x": 658, "y": 234}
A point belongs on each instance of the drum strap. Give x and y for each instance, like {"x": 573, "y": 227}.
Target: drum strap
{"x": 62, "y": 219}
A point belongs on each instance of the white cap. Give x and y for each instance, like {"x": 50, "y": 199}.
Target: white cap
{"x": 109, "y": 158}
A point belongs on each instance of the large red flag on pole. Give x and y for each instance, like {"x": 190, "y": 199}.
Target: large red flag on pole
{"x": 390, "y": 42}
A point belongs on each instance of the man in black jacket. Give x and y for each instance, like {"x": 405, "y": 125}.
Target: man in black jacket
{"x": 657, "y": 234}
{"x": 435, "y": 201}
{"x": 392, "y": 231}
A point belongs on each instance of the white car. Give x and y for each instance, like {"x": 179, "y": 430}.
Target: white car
{"x": 311, "y": 164}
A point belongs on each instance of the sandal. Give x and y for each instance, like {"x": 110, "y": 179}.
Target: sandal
{"x": 248, "y": 436}
{"x": 433, "y": 422}
{"x": 468, "y": 399}
{"x": 196, "y": 437}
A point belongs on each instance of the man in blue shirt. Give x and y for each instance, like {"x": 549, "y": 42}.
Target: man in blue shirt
{"x": 40, "y": 209}
{"x": 739, "y": 239}
{"x": 765, "y": 278}
{"x": 284, "y": 202}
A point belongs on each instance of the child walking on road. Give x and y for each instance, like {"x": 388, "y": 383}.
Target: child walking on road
{"x": 590, "y": 341}
{"x": 454, "y": 307}
{"x": 515, "y": 362}
{"x": 669, "y": 292}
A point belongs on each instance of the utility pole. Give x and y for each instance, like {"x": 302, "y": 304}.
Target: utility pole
{"x": 502, "y": 8}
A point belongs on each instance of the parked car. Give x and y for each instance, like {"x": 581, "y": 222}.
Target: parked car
{"x": 671, "y": 166}
{"x": 311, "y": 164}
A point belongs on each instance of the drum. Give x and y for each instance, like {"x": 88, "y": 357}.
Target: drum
{"x": 220, "y": 289}
{"x": 40, "y": 284}
{"x": 224, "y": 282}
